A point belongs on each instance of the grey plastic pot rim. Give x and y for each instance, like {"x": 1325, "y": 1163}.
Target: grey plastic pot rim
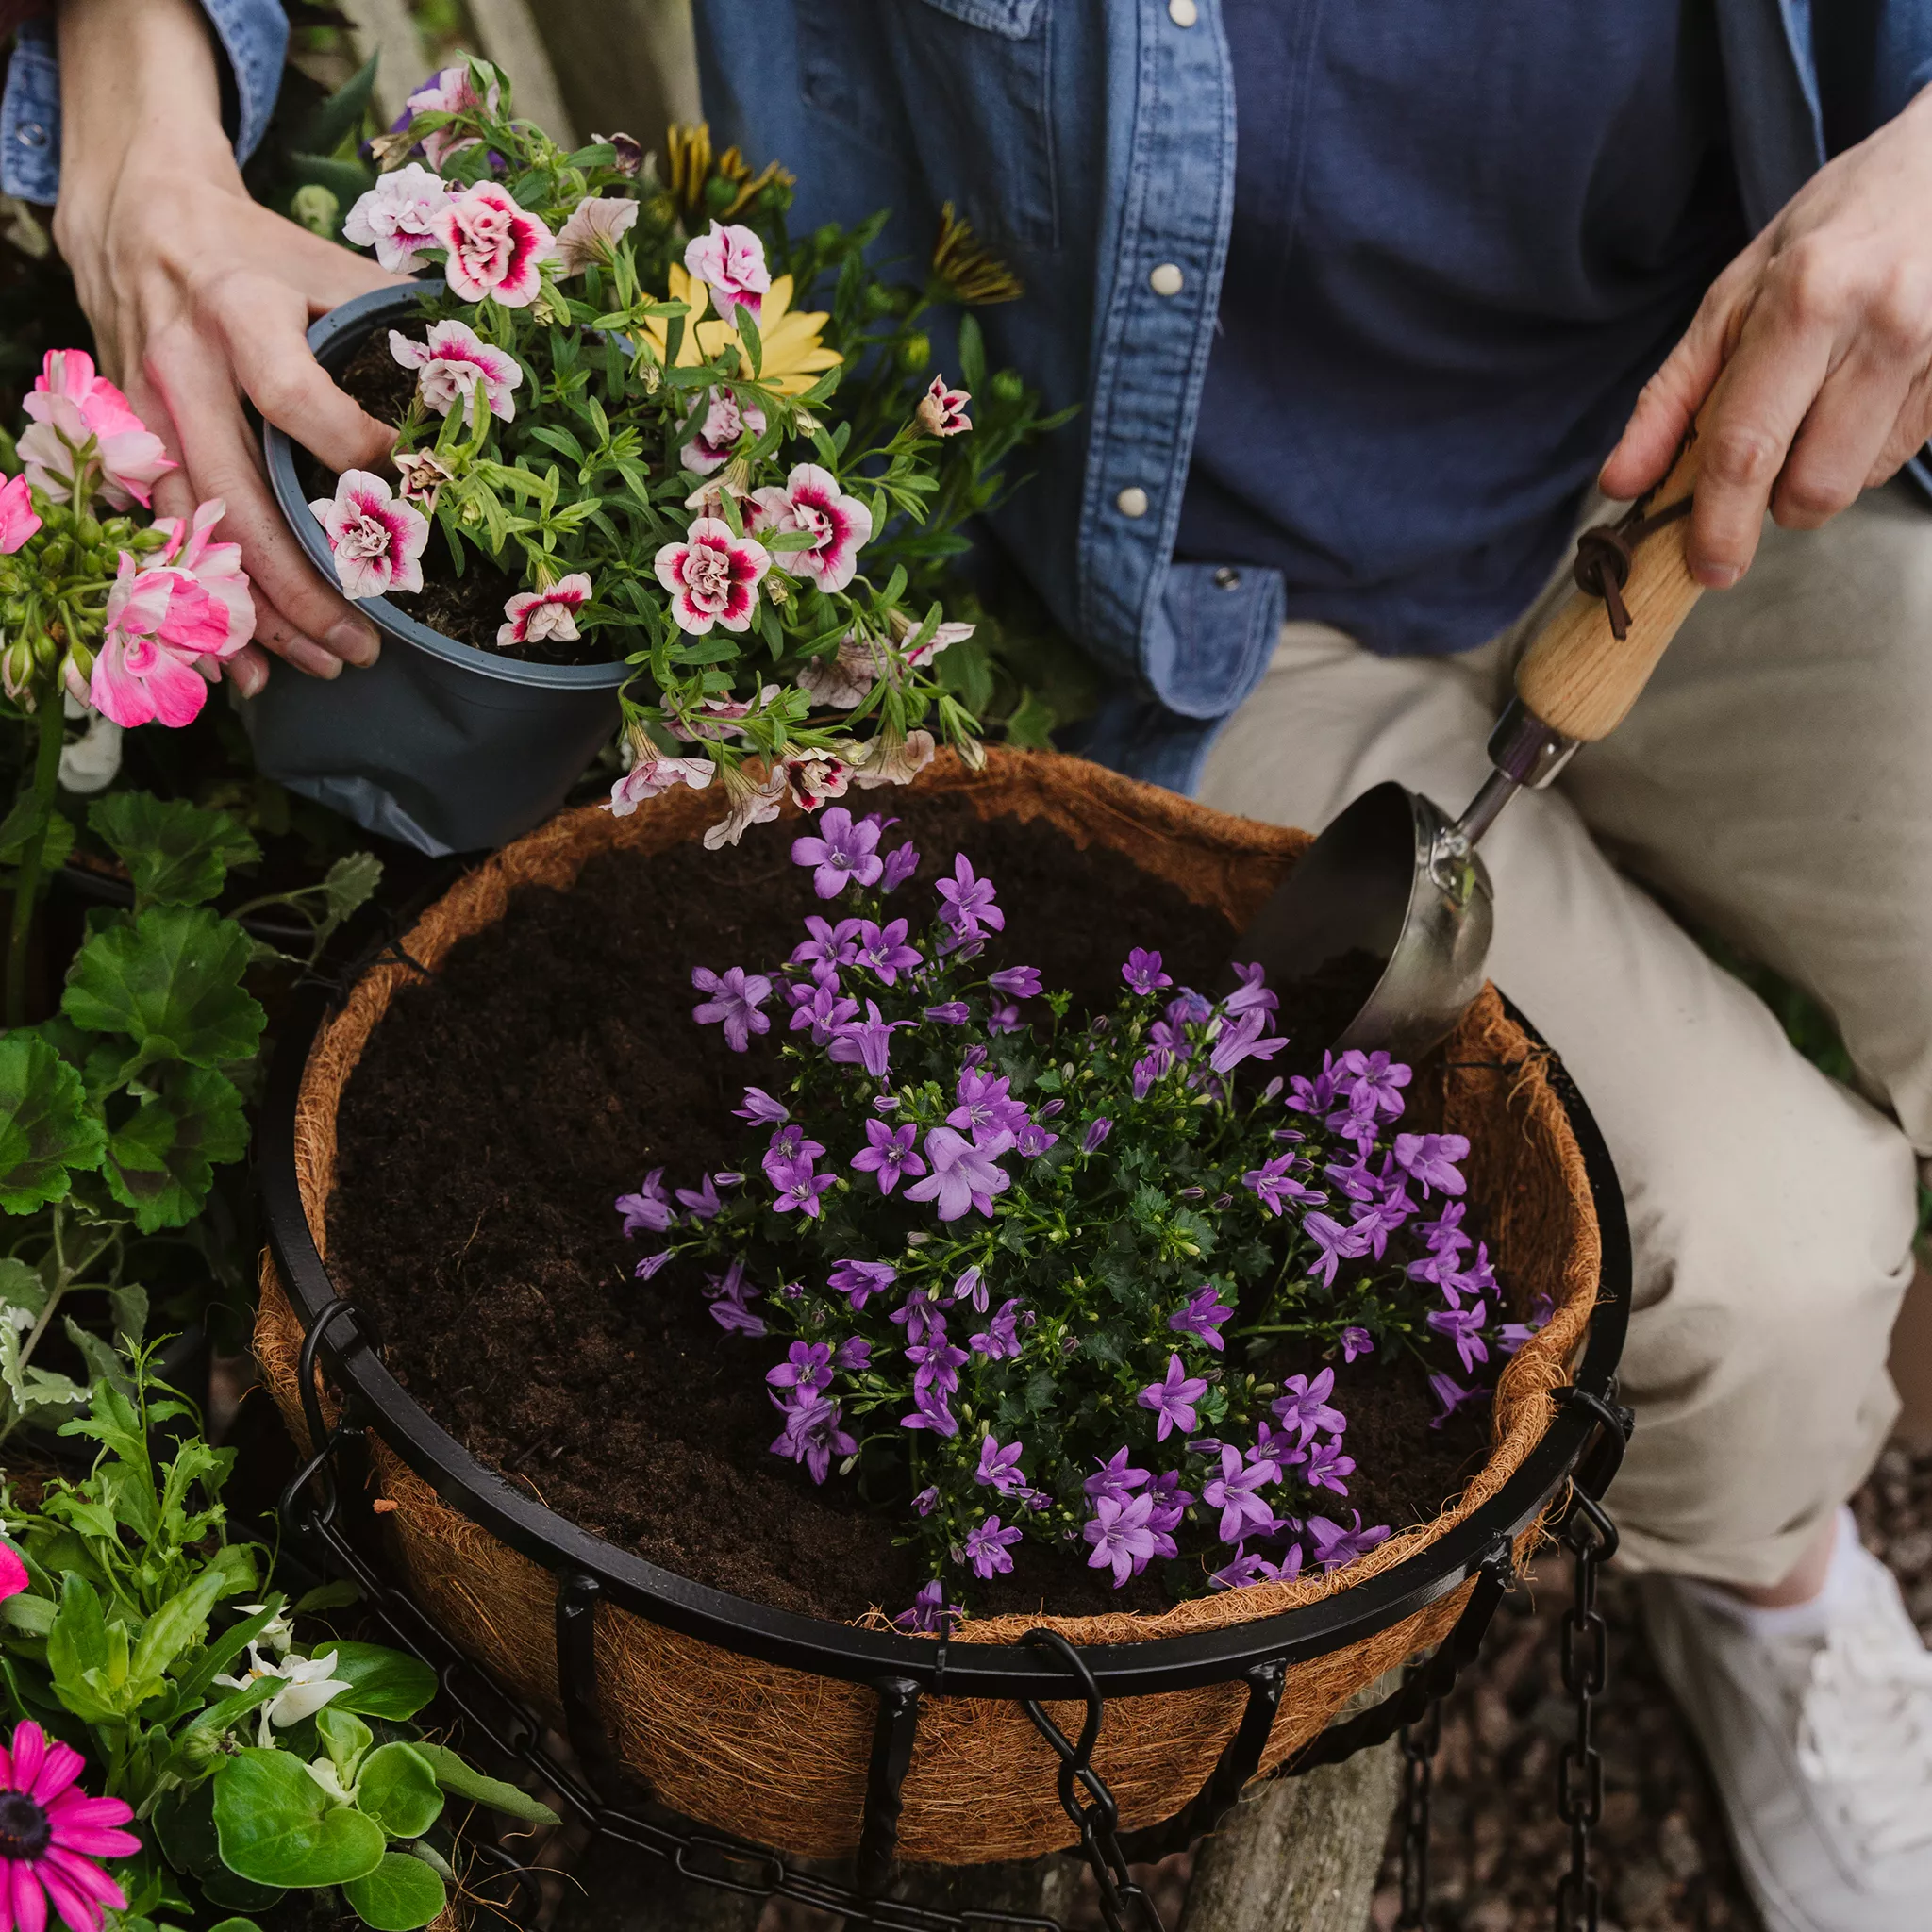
{"x": 332, "y": 340}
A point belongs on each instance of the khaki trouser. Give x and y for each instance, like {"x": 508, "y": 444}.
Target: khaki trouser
{"x": 1774, "y": 785}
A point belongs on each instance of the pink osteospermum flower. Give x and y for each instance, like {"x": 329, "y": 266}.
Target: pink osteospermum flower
{"x": 81, "y": 421}
{"x": 18, "y": 519}
{"x": 51, "y": 1832}
{"x": 592, "y": 232}
{"x": 726, "y": 420}
{"x": 652, "y": 776}
{"x": 495, "y": 247}
{"x": 13, "y": 1576}
{"x": 538, "y": 617}
{"x": 713, "y": 576}
{"x": 453, "y": 364}
{"x": 397, "y": 217}
{"x": 839, "y": 526}
{"x": 731, "y": 261}
{"x": 450, "y": 91}
{"x": 941, "y": 411}
{"x": 377, "y": 539}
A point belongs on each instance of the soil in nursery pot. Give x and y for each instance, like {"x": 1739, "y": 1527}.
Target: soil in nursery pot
{"x": 500, "y": 1108}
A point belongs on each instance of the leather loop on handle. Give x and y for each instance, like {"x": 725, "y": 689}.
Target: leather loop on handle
{"x": 1578, "y": 676}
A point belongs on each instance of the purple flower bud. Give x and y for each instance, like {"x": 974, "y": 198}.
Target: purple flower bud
{"x": 1051, "y": 1109}
{"x": 1097, "y": 1131}
{"x": 928, "y": 1500}
{"x": 951, "y": 1014}
{"x": 901, "y": 863}
{"x": 1017, "y": 982}
{"x": 1004, "y": 1018}
{"x": 650, "y": 1265}
{"x": 759, "y": 1106}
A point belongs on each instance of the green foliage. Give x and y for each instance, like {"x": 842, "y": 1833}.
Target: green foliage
{"x": 277, "y": 1826}
{"x": 176, "y": 854}
{"x": 46, "y": 1130}
{"x": 172, "y": 982}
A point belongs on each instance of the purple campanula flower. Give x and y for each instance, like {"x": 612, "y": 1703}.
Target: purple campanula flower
{"x": 646, "y": 1211}
{"x": 915, "y": 1315}
{"x": 1172, "y": 1400}
{"x": 1445, "y": 1232}
{"x": 1247, "y": 1566}
{"x": 798, "y": 1188}
{"x": 728, "y": 1294}
{"x": 930, "y": 1612}
{"x": 1150, "y": 1068}
{"x": 1033, "y": 1141}
{"x": 986, "y": 1548}
{"x": 999, "y": 1341}
{"x": 865, "y": 1042}
{"x": 759, "y": 1107}
{"x": 1016, "y": 982}
{"x": 928, "y": 1500}
{"x": 812, "y": 1433}
{"x": 787, "y": 1144}
{"x": 734, "y": 1003}
{"x": 1379, "y": 1078}
{"x": 1478, "y": 1279}
{"x": 1170, "y": 1505}
{"x": 1335, "y": 1545}
{"x": 1234, "y": 1494}
{"x": 968, "y": 904}
{"x": 999, "y": 1467}
{"x": 889, "y": 1153}
{"x": 1355, "y": 1341}
{"x": 1355, "y": 1180}
{"x": 882, "y": 949}
{"x": 949, "y": 1012}
{"x": 1098, "y": 1130}
{"x": 1376, "y": 1222}
{"x": 901, "y": 861}
{"x": 1274, "y": 1182}
{"x": 972, "y": 1056}
{"x": 1202, "y": 1315}
{"x": 1316, "y": 1095}
{"x": 1512, "y": 1335}
{"x": 702, "y": 1200}
{"x": 1451, "y": 1395}
{"x": 829, "y": 945}
{"x": 1464, "y": 1328}
{"x": 936, "y": 1360}
{"x": 853, "y": 1355}
{"x": 984, "y": 1106}
{"x": 859, "y": 1281}
{"x": 1003, "y": 1016}
{"x": 1246, "y": 1037}
{"x": 1431, "y": 1159}
{"x": 808, "y": 1365}
{"x": 1326, "y": 1467}
{"x": 1303, "y": 1405}
{"x": 650, "y": 1265}
{"x": 1439, "y": 1269}
{"x": 1188, "y": 1009}
{"x": 1333, "y": 1244}
{"x": 929, "y": 1411}
{"x": 1251, "y": 994}
{"x": 1143, "y": 971}
{"x": 1120, "y": 1537}
{"x": 970, "y": 1286}
{"x": 965, "y": 1174}
{"x": 842, "y": 852}
{"x": 1116, "y": 1477}
{"x": 824, "y": 1010}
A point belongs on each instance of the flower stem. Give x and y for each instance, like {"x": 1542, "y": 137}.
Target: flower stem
{"x": 27, "y": 879}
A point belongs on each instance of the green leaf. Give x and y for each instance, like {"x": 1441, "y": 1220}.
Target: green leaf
{"x": 382, "y": 1682}
{"x": 463, "y": 1780}
{"x": 1031, "y": 723}
{"x": 329, "y": 1596}
{"x": 160, "y": 1162}
{"x": 339, "y": 116}
{"x": 184, "y": 1824}
{"x": 46, "y": 1128}
{"x": 971, "y": 353}
{"x": 350, "y": 883}
{"x": 172, "y": 982}
{"x": 223, "y": 1651}
{"x": 346, "y": 1739}
{"x": 79, "y": 1651}
{"x": 399, "y": 1895}
{"x": 178, "y": 1622}
{"x": 276, "y": 1826}
{"x": 176, "y": 854}
{"x": 222, "y": 1887}
{"x": 397, "y": 1788}
{"x": 31, "y": 1616}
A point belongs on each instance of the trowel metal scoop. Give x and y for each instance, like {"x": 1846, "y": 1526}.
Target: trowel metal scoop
{"x": 1393, "y": 895}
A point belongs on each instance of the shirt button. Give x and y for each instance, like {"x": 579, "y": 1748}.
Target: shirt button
{"x": 1183, "y": 12}
{"x": 1166, "y": 280}
{"x": 31, "y": 134}
{"x": 1132, "y": 501}
{"x": 1226, "y": 577}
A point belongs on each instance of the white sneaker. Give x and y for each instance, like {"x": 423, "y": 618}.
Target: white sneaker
{"x": 1818, "y": 1725}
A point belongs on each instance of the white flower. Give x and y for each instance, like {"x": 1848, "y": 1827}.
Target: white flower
{"x": 394, "y": 217}
{"x": 595, "y": 226}
{"x": 307, "y": 1686}
{"x": 278, "y": 1633}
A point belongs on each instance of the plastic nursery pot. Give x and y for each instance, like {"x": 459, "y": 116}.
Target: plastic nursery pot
{"x": 816, "y": 1736}
{"x": 438, "y": 744}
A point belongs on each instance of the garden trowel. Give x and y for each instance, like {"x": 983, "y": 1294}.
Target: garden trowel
{"x": 1385, "y": 921}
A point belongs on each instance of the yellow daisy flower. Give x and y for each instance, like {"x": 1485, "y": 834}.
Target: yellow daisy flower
{"x": 793, "y": 354}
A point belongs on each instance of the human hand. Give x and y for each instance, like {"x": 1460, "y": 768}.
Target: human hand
{"x": 199, "y": 298}
{"x": 1817, "y": 341}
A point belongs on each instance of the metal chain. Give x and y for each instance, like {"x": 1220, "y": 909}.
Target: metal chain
{"x": 1418, "y": 1745}
{"x": 1591, "y": 1538}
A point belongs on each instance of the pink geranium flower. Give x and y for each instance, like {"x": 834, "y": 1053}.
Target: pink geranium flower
{"x": 495, "y": 247}
{"x": 537, "y": 617}
{"x": 731, "y": 261}
{"x": 594, "y": 228}
{"x": 51, "y": 1832}
{"x": 450, "y": 91}
{"x": 941, "y": 411}
{"x": 837, "y": 525}
{"x": 216, "y": 567}
{"x": 452, "y": 364}
{"x": 17, "y": 519}
{"x": 377, "y": 539}
{"x": 713, "y": 576}
{"x": 397, "y": 217}
{"x": 724, "y": 421}
{"x": 85, "y": 435}
{"x": 650, "y": 777}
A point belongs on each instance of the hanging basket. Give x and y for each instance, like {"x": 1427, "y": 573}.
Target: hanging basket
{"x": 806, "y": 1734}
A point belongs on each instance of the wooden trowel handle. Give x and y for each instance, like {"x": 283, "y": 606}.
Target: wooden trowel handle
{"x": 1579, "y": 676}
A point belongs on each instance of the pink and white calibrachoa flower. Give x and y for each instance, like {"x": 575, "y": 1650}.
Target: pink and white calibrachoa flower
{"x": 452, "y": 364}
{"x": 450, "y": 91}
{"x": 894, "y": 764}
{"x": 82, "y": 422}
{"x": 539, "y": 617}
{"x": 713, "y": 576}
{"x": 397, "y": 217}
{"x": 942, "y": 638}
{"x": 18, "y": 521}
{"x": 652, "y": 776}
{"x": 377, "y": 539}
{"x": 843, "y": 681}
{"x": 495, "y": 247}
{"x": 725, "y": 421}
{"x": 731, "y": 263}
{"x": 594, "y": 228}
{"x": 814, "y": 777}
{"x": 753, "y": 801}
{"x": 837, "y": 525}
{"x": 941, "y": 411}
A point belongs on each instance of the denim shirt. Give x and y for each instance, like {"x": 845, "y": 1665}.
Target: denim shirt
{"x": 1092, "y": 143}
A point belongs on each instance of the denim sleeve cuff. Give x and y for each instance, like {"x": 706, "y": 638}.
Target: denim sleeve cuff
{"x": 254, "y": 35}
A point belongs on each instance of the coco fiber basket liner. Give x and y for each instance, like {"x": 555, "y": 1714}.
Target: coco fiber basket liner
{"x": 778, "y": 1754}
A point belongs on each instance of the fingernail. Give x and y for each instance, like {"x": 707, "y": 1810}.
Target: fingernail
{"x": 353, "y": 641}
{"x": 249, "y": 676}
{"x": 1717, "y": 577}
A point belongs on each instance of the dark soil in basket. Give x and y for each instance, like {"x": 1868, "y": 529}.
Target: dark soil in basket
{"x": 501, "y": 1107}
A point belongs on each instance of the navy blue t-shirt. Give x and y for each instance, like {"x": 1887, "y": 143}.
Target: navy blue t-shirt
{"x": 1464, "y": 236}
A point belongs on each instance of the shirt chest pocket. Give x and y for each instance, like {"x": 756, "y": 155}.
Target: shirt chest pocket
{"x": 963, "y": 89}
